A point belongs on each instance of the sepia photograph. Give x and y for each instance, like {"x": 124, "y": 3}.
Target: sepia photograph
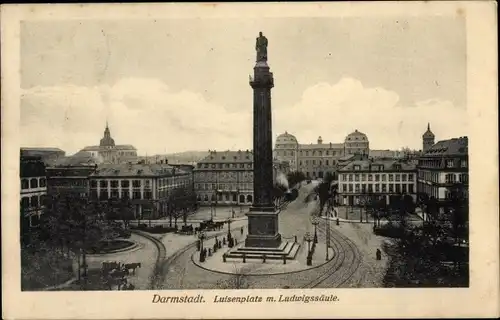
{"x": 236, "y": 153}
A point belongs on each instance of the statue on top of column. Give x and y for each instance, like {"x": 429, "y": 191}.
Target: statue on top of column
{"x": 261, "y": 47}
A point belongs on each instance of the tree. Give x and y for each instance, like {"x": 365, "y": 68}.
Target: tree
{"x": 458, "y": 208}
{"x": 325, "y": 191}
{"x": 180, "y": 201}
{"x": 295, "y": 177}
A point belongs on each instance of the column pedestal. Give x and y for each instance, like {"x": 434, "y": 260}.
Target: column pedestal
{"x": 263, "y": 228}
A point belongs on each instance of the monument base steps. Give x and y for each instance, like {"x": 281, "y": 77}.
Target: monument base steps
{"x": 286, "y": 250}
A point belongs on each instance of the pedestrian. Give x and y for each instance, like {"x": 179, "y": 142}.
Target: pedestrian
{"x": 241, "y": 230}
{"x": 379, "y": 254}
{"x": 224, "y": 241}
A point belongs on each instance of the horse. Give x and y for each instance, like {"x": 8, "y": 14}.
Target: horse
{"x": 132, "y": 266}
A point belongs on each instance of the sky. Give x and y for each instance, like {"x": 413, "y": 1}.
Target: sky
{"x": 175, "y": 85}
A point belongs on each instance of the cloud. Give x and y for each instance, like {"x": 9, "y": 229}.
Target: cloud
{"x": 334, "y": 110}
{"x": 150, "y": 115}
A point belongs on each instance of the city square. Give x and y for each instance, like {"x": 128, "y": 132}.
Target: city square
{"x": 283, "y": 214}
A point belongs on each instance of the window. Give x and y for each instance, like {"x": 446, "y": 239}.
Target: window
{"x": 34, "y": 201}
{"x": 350, "y": 188}
{"x": 398, "y": 177}
{"x": 377, "y": 177}
{"x": 43, "y": 183}
{"x": 43, "y": 200}
{"x": 410, "y": 188}
{"x": 136, "y": 183}
{"x": 384, "y": 188}
{"x": 34, "y": 183}
{"x": 391, "y": 188}
{"x": 398, "y": 188}
{"x": 114, "y": 194}
{"x": 410, "y": 177}
{"x": 357, "y": 187}
{"x": 242, "y": 165}
{"x": 93, "y": 194}
{"x": 357, "y": 167}
{"x": 391, "y": 177}
{"x": 363, "y": 177}
{"x": 384, "y": 177}
{"x": 314, "y": 162}
{"x": 403, "y": 177}
{"x": 93, "y": 184}
{"x": 450, "y": 178}
{"x": 370, "y": 177}
{"x": 463, "y": 163}
{"x": 450, "y": 164}
{"x": 404, "y": 187}
{"x": 370, "y": 188}
{"x": 125, "y": 183}
{"x": 25, "y": 184}
{"x": 377, "y": 187}
{"x": 344, "y": 177}
{"x": 350, "y": 177}
{"x": 103, "y": 184}
{"x": 136, "y": 195}
{"x": 148, "y": 195}
{"x": 464, "y": 178}
{"x": 147, "y": 184}
{"x": 356, "y": 177}
{"x": 114, "y": 184}
{"x": 343, "y": 188}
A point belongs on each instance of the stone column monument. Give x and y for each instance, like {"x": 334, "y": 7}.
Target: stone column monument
{"x": 263, "y": 240}
{"x": 262, "y": 218}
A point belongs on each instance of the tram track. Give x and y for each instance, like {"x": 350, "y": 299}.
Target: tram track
{"x": 343, "y": 266}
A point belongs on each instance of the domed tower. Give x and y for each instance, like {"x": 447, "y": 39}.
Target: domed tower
{"x": 107, "y": 141}
{"x": 320, "y": 140}
{"x": 356, "y": 143}
{"x": 285, "y": 149}
{"x": 427, "y": 139}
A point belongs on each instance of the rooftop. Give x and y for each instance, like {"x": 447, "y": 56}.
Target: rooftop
{"x": 450, "y": 147}
{"x": 228, "y": 157}
{"x": 138, "y": 170}
{"x": 321, "y": 146}
{"x": 41, "y": 149}
{"x": 388, "y": 165}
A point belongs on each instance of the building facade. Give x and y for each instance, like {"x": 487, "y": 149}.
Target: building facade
{"x": 70, "y": 180}
{"x": 147, "y": 187}
{"x": 47, "y": 155}
{"x": 226, "y": 177}
{"x": 314, "y": 160}
{"x": 108, "y": 152}
{"x": 33, "y": 189}
{"x": 443, "y": 165}
{"x": 379, "y": 178}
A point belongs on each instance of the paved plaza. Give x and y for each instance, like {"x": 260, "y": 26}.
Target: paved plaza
{"x": 352, "y": 259}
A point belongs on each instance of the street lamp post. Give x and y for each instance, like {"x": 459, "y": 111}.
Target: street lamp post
{"x": 315, "y": 222}
{"x": 201, "y": 237}
{"x": 308, "y": 238}
{"x": 327, "y": 244}
{"x": 229, "y": 228}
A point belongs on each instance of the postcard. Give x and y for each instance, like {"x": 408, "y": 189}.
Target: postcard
{"x": 250, "y": 160}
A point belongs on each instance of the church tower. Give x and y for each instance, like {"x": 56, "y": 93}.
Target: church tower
{"x": 107, "y": 141}
{"x": 427, "y": 139}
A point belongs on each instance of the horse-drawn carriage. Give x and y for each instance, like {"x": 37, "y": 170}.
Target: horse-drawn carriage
{"x": 114, "y": 274}
{"x": 210, "y": 225}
